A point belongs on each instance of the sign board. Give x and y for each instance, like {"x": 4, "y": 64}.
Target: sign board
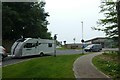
{"x": 82, "y": 40}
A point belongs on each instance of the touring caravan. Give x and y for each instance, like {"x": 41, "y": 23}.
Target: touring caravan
{"x": 32, "y": 46}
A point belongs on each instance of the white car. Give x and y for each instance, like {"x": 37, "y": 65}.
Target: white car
{"x": 3, "y": 53}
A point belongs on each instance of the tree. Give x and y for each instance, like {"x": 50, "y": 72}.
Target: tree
{"x": 24, "y": 18}
{"x": 109, "y": 23}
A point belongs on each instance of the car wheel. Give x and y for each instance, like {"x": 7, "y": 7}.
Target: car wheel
{"x": 41, "y": 54}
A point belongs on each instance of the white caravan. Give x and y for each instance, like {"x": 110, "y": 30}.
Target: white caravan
{"x": 32, "y": 46}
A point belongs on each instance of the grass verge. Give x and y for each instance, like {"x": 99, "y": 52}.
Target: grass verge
{"x": 108, "y": 64}
{"x": 43, "y": 67}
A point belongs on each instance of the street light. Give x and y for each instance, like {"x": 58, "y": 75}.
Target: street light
{"x": 82, "y": 38}
{"x": 82, "y": 29}
{"x": 55, "y": 38}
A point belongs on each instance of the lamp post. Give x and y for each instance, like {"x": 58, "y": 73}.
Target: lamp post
{"x": 82, "y": 29}
{"x": 82, "y": 38}
{"x": 55, "y": 38}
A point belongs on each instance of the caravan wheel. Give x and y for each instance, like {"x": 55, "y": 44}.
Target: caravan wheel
{"x": 41, "y": 54}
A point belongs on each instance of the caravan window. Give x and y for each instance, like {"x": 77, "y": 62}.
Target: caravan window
{"x": 37, "y": 44}
{"x": 29, "y": 45}
{"x": 49, "y": 44}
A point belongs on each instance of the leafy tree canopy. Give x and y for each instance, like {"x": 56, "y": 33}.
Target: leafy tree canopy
{"x": 109, "y": 23}
{"x": 24, "y": 18}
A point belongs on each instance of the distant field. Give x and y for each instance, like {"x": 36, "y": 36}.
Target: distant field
{"x": 43, "y": 67}
{"x": 108, "y": 63}
{"x": 64, "y": 48}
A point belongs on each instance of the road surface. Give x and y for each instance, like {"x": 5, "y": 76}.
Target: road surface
{"x": 9, "y": 60}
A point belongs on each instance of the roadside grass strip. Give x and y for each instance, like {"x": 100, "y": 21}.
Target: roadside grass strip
{"x": 108, "y": 63}
{"x": 42, "y": 67}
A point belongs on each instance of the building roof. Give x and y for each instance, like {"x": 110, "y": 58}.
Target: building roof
{"x": 96, "y": 39}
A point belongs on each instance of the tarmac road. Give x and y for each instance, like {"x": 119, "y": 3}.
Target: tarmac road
{"x": 9, "y": 60}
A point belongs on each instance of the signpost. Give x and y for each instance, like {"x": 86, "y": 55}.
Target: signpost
{"x": 55, "y": 38}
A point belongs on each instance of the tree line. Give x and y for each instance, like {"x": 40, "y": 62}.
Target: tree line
{"x": 26, "y": 19}
{"x": 108, "y": 24}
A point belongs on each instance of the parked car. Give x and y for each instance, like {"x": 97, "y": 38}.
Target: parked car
{"x": 3, "y": 53}
{"x": 93, "y": 48}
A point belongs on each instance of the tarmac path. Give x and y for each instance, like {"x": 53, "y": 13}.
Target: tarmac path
{"x": 83, "y": 67}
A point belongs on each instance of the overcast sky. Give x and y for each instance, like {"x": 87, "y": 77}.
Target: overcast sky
{"x": 66, "y": 16}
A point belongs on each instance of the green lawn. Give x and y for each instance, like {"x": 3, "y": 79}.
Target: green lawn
{"x": 108, "y": 63}
{"x": 42, "y": 67}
